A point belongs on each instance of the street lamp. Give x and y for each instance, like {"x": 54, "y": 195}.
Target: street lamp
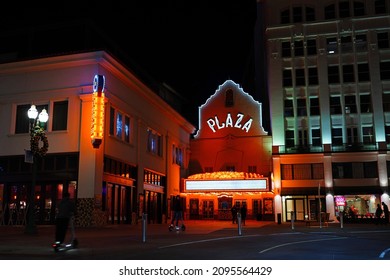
{"x": 37, "y": 134}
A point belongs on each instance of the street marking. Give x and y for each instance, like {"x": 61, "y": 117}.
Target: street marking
{"x": 382, "y": 255}
{"x": 298, "y": 242}
{"x": 208, "y": 240}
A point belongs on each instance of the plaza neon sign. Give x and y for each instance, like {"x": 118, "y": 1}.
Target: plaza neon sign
{"x": 215, "y": 124}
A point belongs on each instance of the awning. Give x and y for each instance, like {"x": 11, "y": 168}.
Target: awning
{"x": 302, "y": 191}
{"x": 358, "y": 190}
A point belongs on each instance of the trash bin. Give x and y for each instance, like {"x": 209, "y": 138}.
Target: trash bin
{"x": 279, "y": 218}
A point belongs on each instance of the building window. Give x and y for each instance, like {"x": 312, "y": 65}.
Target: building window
{"x": 302, "y": 171}
{"x": 337, "y": 136}
{"x": 310, "y": 14}
{"x": 252, "y": 169}
{"x": 330, "y": 11}
{"x": 332, "y": 45}
{"x": 177, "y": 155}
{"x": 302, "y": 138}
{"x": 287, "y": 78}
{"x": 361, "y": 43}
{"x": 358, "y": 9}
{"x": 365, "y": 103}
{"x": 333, "y": 74}
{"x": 286, "y": 49}
{"x": 346, "y": 44}
{"x": 290, "y": 142}
{"x": 313, "y": 76}
{"x": 350, "y": 104}
{"x": 299, "y": 77}
{"x": 285, "y": 16}
{"x": 344, "y": 9}
{"x": 229, "y": 101}
{"x": 297, "y": 14}
{"x": 354, "y": 170}
{"x": 383, "y": 40}
{"x": 311, "y": 46}
{"x": 120, "y": 125}
{"x": 352, "y": 135}
{"x": 154, "y": 143}
{"x": 314, "y": 106}
{"x": 60, "y": 115}
{"x": 288, "y": 108}
{"x": 298, "y": 48}
{"x": 387, "y": 132}
{"x": 335, "y": 105}
{"x": 368, "y": 135}
{"x": 22, "y": 124}
{"x": 301, "y": 107}
{"x": 348, "y": 75}
{"x": 316, "y": 137}
{"x": 380, "y": 7}
{"x": 386, "y": 102}
{"x": 363, "y": 72}
{"x": 385, "y": 70}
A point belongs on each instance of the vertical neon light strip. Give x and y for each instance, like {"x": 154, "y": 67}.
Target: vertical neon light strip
{"x": 97, "y": 122}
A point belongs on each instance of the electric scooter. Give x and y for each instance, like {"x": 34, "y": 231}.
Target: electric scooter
{"x": 73, "y": 240}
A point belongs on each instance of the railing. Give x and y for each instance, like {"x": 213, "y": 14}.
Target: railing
{"x": 356, "y": 147}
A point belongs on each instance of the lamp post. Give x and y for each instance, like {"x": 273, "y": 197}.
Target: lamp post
{"x": 37, "y": 133}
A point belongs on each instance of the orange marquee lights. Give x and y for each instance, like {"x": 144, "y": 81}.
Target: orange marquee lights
{"x": 97, "y": 128}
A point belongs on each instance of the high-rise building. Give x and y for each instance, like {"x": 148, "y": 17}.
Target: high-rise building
{"x": 328, "y": 69}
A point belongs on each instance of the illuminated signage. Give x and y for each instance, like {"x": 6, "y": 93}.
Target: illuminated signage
{"x": 340, "y": 201}
{"x": 97, "y": 128}
{"x": 226, "y": 185}
{"x": 215, "y": 123}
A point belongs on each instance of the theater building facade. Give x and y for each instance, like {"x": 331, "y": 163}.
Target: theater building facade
{"x": 230, "y": 160}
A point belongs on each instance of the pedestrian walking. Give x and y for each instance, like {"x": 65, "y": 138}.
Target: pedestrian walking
{"x": 65, "y": 212}
{"x": 177, "y": 212}
{"x": 385, "y": 212}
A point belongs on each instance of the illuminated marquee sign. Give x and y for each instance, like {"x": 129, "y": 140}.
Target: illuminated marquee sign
{"x": 97, "y": 128}
{"x": 215, "y": 123}
{"x": 226, "y": 185}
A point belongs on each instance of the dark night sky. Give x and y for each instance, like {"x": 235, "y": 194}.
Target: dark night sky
{"x": 193, "y": 46}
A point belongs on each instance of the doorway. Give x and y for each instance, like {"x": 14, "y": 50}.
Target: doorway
{"x": 297, "y": 206}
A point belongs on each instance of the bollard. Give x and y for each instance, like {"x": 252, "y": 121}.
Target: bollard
{"x": 144, "y": 223}
{"x": 341, "y": 219}
{"x": 292, "y": 219}
{"x": 239, "y": 223}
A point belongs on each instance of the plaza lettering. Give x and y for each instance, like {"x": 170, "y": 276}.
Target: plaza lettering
{"x": 215, "y": 124}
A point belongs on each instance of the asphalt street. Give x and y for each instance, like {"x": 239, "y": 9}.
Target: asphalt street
{"x": 205, "y": 240}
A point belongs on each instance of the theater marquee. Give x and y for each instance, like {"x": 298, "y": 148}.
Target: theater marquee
{"x": 226, "y": 185}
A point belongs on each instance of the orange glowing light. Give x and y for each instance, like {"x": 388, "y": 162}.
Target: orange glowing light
{"x": 225, "y": 175}
{"x": 97, "y": 123}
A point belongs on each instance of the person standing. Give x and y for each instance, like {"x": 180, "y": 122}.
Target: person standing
{"x": 234, "y": 213}
{"x": 243, "y": 213}
{"x": 65, "y": 212}
{"x": 177, "y": 211}
{"x": 385, "y": 212}
{"x": 378, "y": 213}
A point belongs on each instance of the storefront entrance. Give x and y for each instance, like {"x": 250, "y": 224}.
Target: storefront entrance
{"x": 297, "y": 206}
{"x": 208, "y": 209}
{"x": 119, "y": 204}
